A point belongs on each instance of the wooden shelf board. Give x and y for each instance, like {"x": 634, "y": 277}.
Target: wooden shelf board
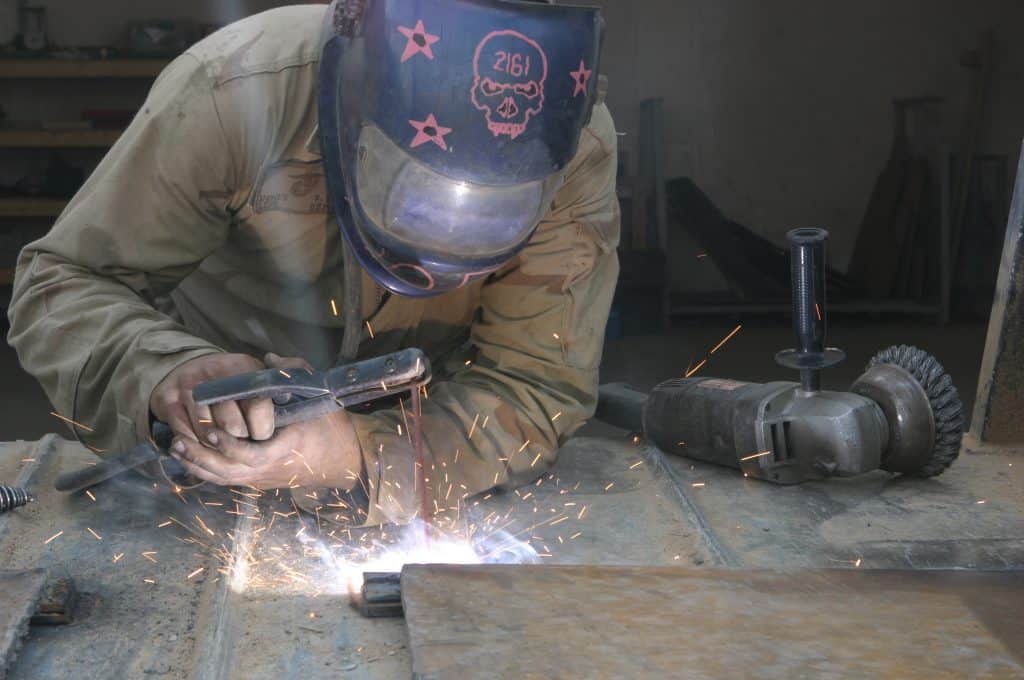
{"x": 32, "y": 207}
{"x": 81, "y": 68}
{"x": 53, "y": 139}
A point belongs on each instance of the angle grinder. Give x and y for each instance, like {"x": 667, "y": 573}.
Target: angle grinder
{"x": 902, "y": 415}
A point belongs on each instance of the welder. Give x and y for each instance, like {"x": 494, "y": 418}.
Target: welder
{"x": 334, "y": 183}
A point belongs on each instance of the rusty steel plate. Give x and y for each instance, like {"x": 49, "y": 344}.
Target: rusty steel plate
{"x": 608, "y": 622}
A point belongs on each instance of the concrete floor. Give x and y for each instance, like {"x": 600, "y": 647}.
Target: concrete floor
{"x": 644, "y": 361}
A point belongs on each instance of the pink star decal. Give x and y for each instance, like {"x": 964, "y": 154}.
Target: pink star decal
{"x": 582, "y": 77}
{"x": 419, "y": 41}
{"x": 429, "y": 131}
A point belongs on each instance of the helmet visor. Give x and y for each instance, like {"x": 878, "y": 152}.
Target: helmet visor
{"x": 432, "y": 231}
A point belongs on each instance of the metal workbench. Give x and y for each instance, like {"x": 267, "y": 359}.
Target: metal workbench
{"x": 151, "y": 614}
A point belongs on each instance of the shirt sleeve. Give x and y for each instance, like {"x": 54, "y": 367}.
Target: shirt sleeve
{"x": 538, "y": 340}
{"x": 84, "y": 317}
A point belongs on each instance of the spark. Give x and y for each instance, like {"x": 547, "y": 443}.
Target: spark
{"x": 89, "y": 494}
{"x": 203, "y": 525}
{"x": 369, "y": 328}
{"x": 195, "y": 573}
{"x": 28, "y": 460}
{"x": 523, "y": 447}
{"x": 698, "y": 485}
{"x": 557, "y": 416}
{"x": 696, "y": 368}
{"x": 556, "y": 336}
{"x": 817, "y": 308}
{"x": 857, "y": 563}
{"x": 165, "y": 524}
{"x": 535, "y": 460}
{"x": 71, "y": 422}
{"x": 472, "y": 428}
{"x": 677, "y": 557}
{"x": 608, "y": 488}
{"x": 701, "y": 256}
{"x": 205, "y": 421}
{"x": 149, "y": 581}
{"x": 727, "y": 338}
{"x": 576, "y": 535}
{"x": 55, "y": 536}
{"x": 582, "y": 512}
{"x": 559, "y": 521}
{"x": 981, "y": 502}
{"x": 149, "y": 555}
{"x": 284, "y": 374}
{"x": 334, "y": 307}
{"x": 117, "y": 557}
{"x": 94, "y": 534}
{"x": 756, "y": 455}
{"x": 636, "y": 465}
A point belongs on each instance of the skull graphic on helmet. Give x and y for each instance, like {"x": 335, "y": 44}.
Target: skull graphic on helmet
{"x": 510, "y": 70}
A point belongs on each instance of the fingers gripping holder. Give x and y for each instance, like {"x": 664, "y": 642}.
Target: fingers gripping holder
{"x": 808, "y": 267}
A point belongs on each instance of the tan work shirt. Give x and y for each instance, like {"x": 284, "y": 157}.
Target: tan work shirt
{"x": 207, "y": 228}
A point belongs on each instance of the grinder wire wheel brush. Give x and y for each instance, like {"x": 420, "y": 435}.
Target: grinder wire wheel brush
{"x": 943, "y": 400}
{"x": 12, "y": 498}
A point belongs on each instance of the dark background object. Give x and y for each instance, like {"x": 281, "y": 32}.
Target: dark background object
{"x": 976, "y": 268}
{"x": 756, "y": 268}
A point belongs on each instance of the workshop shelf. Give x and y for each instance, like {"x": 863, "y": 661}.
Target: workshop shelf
{"x": 32, "y": 207}
{"x": 58, "y": 139}
{"x": 81, "y": 68}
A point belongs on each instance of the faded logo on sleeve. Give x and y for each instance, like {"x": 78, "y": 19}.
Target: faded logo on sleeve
{"x": 293, "y": 187}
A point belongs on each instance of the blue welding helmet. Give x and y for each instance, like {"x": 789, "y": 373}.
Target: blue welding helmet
{"x": 446, "y": 127}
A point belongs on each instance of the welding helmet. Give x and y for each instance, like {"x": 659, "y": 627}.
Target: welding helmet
{"x": 446, "y": 127}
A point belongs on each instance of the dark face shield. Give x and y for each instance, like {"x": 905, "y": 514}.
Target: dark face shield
{"x": 446, "y": 127}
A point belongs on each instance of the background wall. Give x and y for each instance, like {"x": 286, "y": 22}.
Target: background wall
{"x": 781, "y": 111}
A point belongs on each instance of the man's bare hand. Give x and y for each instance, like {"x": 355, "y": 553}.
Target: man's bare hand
{"x": 172, "y": 403}
{"x": 319, "y": 453}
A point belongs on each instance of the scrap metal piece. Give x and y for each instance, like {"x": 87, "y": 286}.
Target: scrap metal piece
{"x": 1000, "y": 399}
{"x": 12, "y": 498}
{"x": 57, "y": 604}
{"x": 550, "y": 621}
{"x": 380, "y": 596}
{"x": 21, "y": 592}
